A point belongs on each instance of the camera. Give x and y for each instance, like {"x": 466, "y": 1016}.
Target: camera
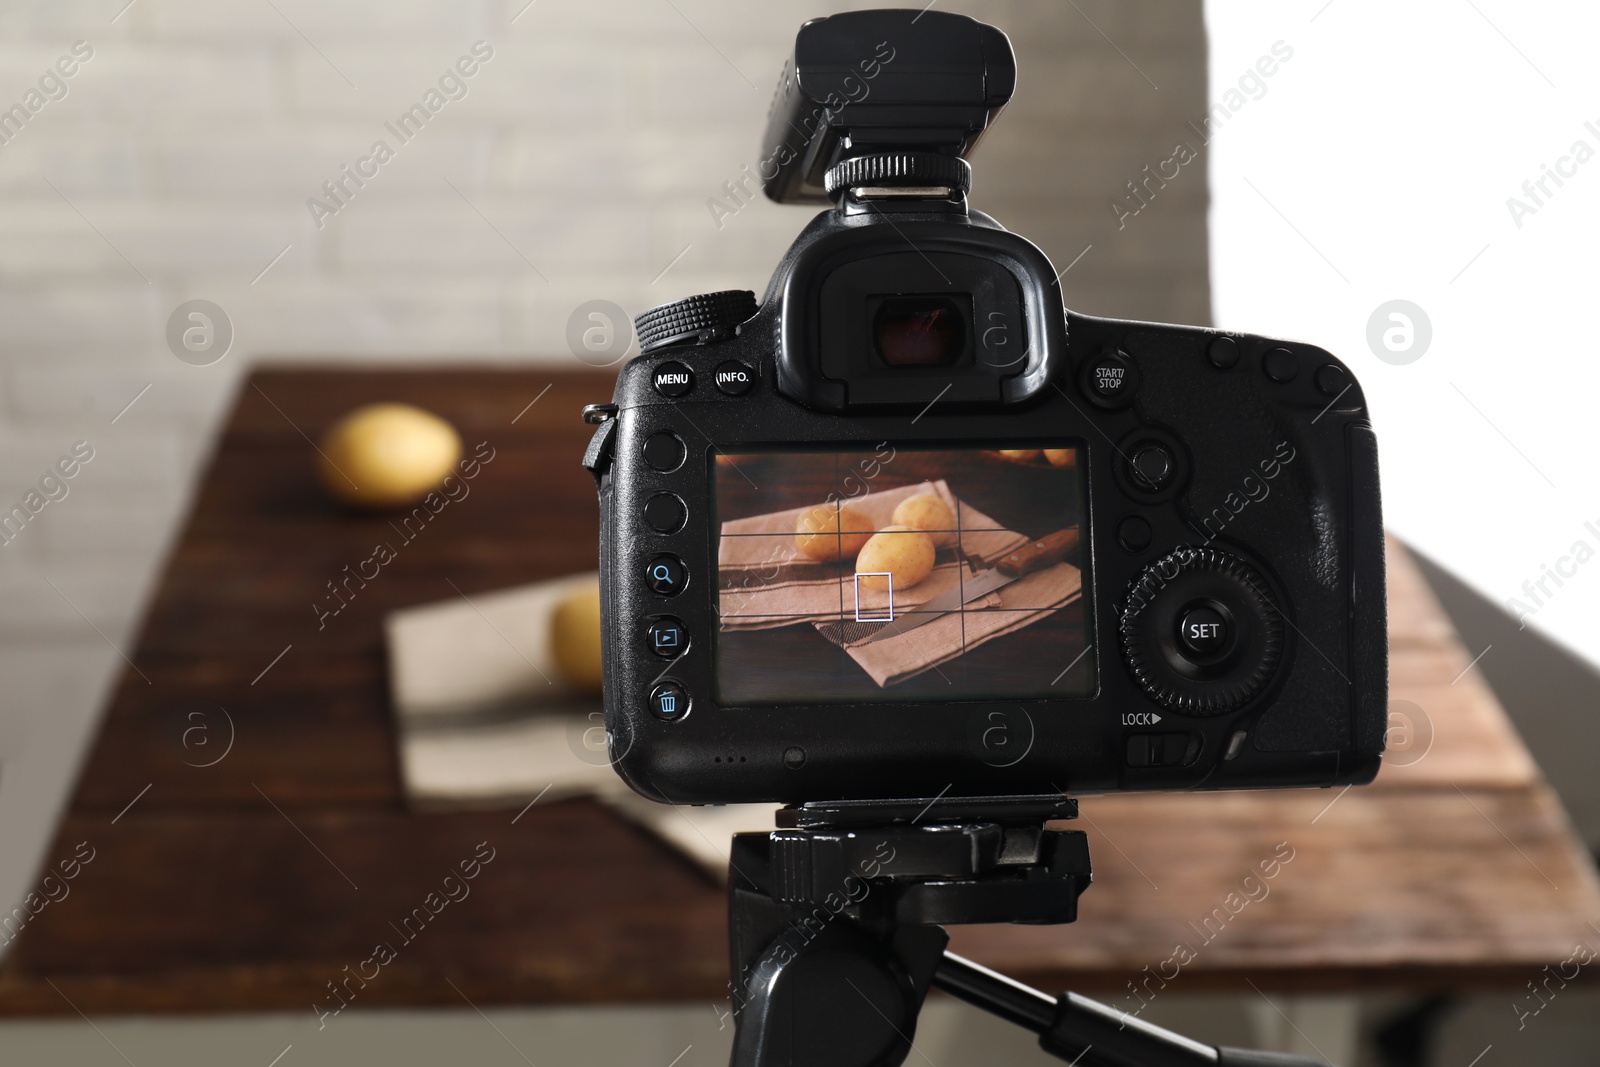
{"x": 905, "y": 527}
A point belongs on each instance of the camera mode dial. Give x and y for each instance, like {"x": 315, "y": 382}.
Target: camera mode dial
{"x": 1200, "y": 632}
{"x": 695, "y": 319}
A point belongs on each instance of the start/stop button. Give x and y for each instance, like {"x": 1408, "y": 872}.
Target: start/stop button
{"x": 1110, "y": 380}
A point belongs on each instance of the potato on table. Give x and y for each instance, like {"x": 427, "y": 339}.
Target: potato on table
{"x": 575, "y": 638}
{"x": 929, "y": 513}
{"x": 829, "y": 532}
{"x": 387, "y": 455}
{"x": 900, "y": 551}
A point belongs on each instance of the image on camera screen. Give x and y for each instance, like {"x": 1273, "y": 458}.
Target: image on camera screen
{"x": 893, "y": 574}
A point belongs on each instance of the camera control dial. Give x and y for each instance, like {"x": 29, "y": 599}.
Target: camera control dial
{"x": 1200, "y": 632}
{"x": 695, "y": 319}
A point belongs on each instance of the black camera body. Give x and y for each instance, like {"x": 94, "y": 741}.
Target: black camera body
{"x": 908, "y": 528}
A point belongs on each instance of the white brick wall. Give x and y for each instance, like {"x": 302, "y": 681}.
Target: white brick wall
{"x": 190, "y": 141}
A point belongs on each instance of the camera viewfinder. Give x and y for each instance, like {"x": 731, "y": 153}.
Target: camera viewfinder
{"x": 920, "y": 331}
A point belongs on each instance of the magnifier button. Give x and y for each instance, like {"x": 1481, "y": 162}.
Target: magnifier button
{"x": 666, "y": 575}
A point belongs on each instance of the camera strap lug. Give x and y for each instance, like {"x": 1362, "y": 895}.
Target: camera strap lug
{"x": 597, "y": 457}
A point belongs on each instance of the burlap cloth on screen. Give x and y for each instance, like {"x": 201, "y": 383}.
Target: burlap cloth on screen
{"x": 924, "y": 648}
{"x": 766, "y": 582}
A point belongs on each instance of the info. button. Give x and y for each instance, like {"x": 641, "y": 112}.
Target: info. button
{"x": 734, "y": 378}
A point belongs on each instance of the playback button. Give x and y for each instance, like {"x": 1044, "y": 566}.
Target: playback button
{"x": 667, "y": 638}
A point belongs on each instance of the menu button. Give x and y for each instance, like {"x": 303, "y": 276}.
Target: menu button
{"x": 673, "y": 380}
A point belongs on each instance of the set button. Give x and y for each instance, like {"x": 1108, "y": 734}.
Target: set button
{"x": 666, "y": 575}
{"x": 667, "y": 638}
{"x": 1203, "y": 631}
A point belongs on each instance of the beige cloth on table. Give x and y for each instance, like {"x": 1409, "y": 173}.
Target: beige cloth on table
{"x": 766, "y": 582}
{"x": 485, "y": 723}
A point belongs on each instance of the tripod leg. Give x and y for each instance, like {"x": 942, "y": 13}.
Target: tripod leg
{"x": 1087, "y": 1033}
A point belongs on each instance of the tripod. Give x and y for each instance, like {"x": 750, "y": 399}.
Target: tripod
{"x": 835, "y": 926}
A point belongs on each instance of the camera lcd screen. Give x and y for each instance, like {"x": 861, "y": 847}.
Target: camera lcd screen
{"x": 895, "y": 574}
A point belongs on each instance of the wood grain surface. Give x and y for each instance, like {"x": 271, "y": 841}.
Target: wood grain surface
{"x": 255, "y": 881}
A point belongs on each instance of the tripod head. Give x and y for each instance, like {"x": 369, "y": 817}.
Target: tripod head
{"x": 960, "y": 861}
{"x": 835, "y": 924}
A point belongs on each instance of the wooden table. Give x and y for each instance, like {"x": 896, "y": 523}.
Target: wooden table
{"x": 255, "y": 881}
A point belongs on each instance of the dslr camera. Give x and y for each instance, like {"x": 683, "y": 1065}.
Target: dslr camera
{"x": 905, "y": 527}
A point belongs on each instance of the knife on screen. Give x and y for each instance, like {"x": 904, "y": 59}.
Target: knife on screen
{"x": 1033, "y": 556}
